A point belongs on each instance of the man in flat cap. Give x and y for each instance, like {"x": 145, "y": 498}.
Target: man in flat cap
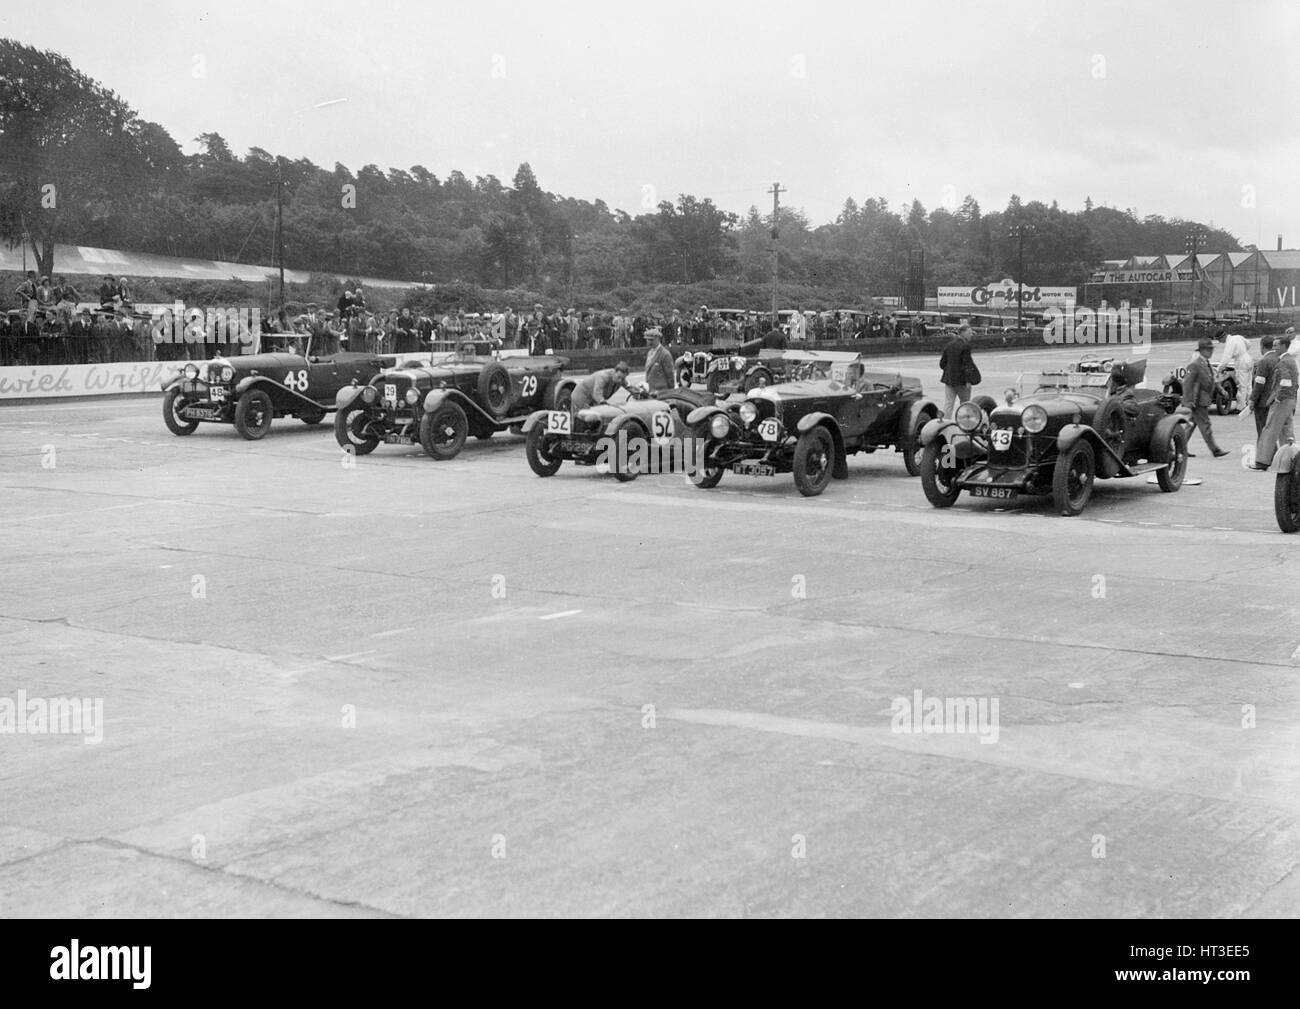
{"x": 658, "y": 363}
{"x": 1198, "y": 393}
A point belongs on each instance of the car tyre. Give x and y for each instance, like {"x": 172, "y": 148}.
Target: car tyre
{"x": 538, "y": 450}
{"x": 253, "y": 414}
{"x": 1225, "y": 398}
{"x": 635, "y": 434}
{"x": 443, "y": 430}
{"x": 347, "y": 430}
{"x": 494, "y": 389}
{"x": 814, "y": 461}
{"x": 172, "y": 402}
{"x": 1171, "y": 477}
{"x": 757, "y": 378}
{"x": 312, "y": 419}
{"x": 938, "y": 481}
{"x": 912, "y": 448}
{"x": 1286, "y": 500}
{"x": 684, "y": 376}
{"x": 705, "y": 477}
{"x": 1072, "y": 479}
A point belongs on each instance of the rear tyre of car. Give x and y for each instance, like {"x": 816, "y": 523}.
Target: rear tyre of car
{"x": 684, "y": 376}
{"x": 1286, "y": 500}
{"x": 814, "y": 461}
{"x": 484, "y": 435}
{"x": 349, "y": 430}
{"x": 172, "y": 403}
{"x": 1225, "y": 398}
{"x": 443, "y": 431}
{"x": 636, "y": 436}
{"x": 312, "y": 419}
{"x": 912, "y": 448}
{"x": 1171, "y": 477}
{"x": 539, "y": 450}
{"x": 986, "y": 403}
{"x": 1111, "y": 423}
{"x": 1076, "y": 469}
{"x": 253, "y": 414}
{"x": 757, "y": 378}
{"x": 563, "y": 399}
{"x": 494, "y": 389}
{"x": 937, "y": 480}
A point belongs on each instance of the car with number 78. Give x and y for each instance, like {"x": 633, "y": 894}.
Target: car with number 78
{"x": 251, "y": 391}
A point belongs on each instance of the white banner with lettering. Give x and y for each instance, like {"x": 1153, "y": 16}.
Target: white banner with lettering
{"x": 1002, "y": 295}
{"x": 85, "y": 379}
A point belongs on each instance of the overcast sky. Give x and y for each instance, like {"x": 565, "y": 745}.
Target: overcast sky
{"x": 1184, "y": 109}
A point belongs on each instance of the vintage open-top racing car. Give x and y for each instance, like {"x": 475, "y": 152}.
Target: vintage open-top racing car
{"x": 438, "y": 403}
{"x": 810, "y": 426}
{"x": 752, "y": 364}
{"x": 249, "y": 392}
{"x": 1090, "y": 420}
{"x": 1225, "y": 386}
{"x": 628, "y": 436}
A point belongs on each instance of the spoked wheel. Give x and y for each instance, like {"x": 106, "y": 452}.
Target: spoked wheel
{"x": 705, "y": 476}
{"x": 173, "y": 402}
{"x": 253, "y": 414}
{"x": 541, "y": 450}
{"x": 1286, "y": 500}
{"x": 814, "y": 461}
{"x": 632, "y": 445}
{"x": 350, "y": 430}
{"x": 1072, "y": 480}
{"x": 1111, "y": 424}
{"x": 938, "y": 480}
{"x": 912, "y": 447}
{"x": 684, "y": 376}
{"x": 443, "y": 431}
{"x": 757, "y": 378}
{"x": 1171, "y": 477}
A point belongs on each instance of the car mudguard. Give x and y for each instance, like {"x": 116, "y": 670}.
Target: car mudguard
{"x": 822, "y": 419}
{"x": 1284, "y": 461}
{"x": 535, "y": 418}
{"x": 915, "y": 412}
{"x": 280, "y": 394}
{"x": 346, "y": 395}
{"x": 702, "y": 413}
{"x": 555, "y": 388}
{"x": 937, "y": 428}
{"x": 618, "y": 423}
{"x": 1071, "y": 433}
{"x": 1160, "y": 435}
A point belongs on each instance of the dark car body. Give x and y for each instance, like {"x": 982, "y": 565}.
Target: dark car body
{"x": 1088, "y": 421}
{"x": 636, "y": 424}
{"x": 755, "y": 363}
{"x": 250, "y": 391}
{"x": 437, "y": 403}
{"x": 810, "y": 426}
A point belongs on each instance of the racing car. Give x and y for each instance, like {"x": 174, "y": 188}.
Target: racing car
{"x": 1090, "y": 420}
{"x": 251, "y": 391}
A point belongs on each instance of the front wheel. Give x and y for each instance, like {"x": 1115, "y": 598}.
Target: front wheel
{"x": 541, "y": 452}
{"x": 757, "y": 378}
{"x": 814, "y": 461}
{"x": 443, "y": 430}
{"x": 704, "y": 476}
{"x": 350, "y": 430}
{"x": 938, "y": 480}
{"x": 684, "y": 376}
{"x": 633, "y": 446}
{"x": 253, "y": 415}
{"x": 1072, "y": 480}
{"x": 1286, "y": 500}
{"x": 1171, "y": 477}
{"x": 172, "y": 404}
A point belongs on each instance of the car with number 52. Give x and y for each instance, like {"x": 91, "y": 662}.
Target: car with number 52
{"x": 437, "y": 404}
{"x": 251, "y": 391}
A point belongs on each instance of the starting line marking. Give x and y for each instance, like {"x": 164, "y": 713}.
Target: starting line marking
{"x": 562, "y": 613}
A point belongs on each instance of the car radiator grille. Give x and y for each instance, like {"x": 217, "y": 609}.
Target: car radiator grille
{"x": 1017, "y": 454}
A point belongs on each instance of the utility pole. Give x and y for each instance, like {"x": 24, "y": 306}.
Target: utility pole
{"x": 1193, "y": 240}
{"x": 776, "y": 192}
{"x": 1018, "y": 232}
{"x": 279, "y": 222}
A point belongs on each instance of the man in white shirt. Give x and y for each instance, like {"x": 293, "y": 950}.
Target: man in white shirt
{"x": 1236, "y": 355}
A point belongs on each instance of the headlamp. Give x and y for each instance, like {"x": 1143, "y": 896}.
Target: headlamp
{"x": 720, "y": 425}
{"x": 969, "y": 416}
{"x": 748, "y": 413}
{"x": 1034, "y": 418}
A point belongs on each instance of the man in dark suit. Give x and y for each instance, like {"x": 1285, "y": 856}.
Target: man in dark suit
{"x": 1278, "y": 428}
{"x": 958, "y": 368}
{"x": 1198, "y": 393}
{"x": 1259, "y": 386}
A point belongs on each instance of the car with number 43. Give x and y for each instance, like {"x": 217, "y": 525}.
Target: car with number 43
{"x": 251, "y": 391}
{"x": 811, "y": 426}
{"x": 437, "y": 404}
{"x": 1088, "y": 421}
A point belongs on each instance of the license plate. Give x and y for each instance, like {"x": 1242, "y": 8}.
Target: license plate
{"x": 1002, "y": 493}
{"x": 201, "y": 413}
{"x": 770, "y": 430}
{"x": 390, "y": 394}
{"x": 753, "y": 469}
{"x": 393, "y": 438}
{"x": 217, "y": 393}
{"x": 559, "y": 422}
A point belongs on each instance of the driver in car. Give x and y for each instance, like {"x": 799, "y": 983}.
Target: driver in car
{"x": 599, "y": 386}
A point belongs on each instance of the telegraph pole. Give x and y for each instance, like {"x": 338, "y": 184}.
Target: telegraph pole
{"x": 1018, "y": 232}
{"x": 279, "y": 222}
{"x": 1193, "y": 240}
{"x": 776, "y": 192}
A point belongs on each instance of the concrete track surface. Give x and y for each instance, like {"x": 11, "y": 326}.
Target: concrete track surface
{"x": 409, "y": 688}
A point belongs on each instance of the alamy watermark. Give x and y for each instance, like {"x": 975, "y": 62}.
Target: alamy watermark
{"x": 1101, "y": 325}
{"x": 38, "y": 716}
{"x": 920, "y": 714}
{"x": 180, "y": 325}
